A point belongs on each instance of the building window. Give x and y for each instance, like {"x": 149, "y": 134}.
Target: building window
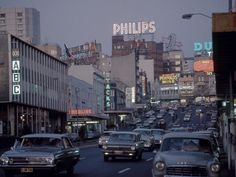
{"x": 20, "y": 26}
{"x": 3, "y": 32}
{"x": 20, "y": 32}
{"x": 2, "y": 21}
{"x": 19, "y": 20}
{"x": 19, "y": 14}
{"x": 2, "y": 15}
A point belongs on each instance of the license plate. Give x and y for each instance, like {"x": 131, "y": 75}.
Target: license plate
{"x": 26, "y": 170}
{"x": 118, "y": 152}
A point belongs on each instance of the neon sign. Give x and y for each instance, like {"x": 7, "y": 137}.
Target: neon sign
{"x": 201, "y": 48}
{"x": 134, "y": 28}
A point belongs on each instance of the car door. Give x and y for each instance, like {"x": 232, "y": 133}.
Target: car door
{"x": 71, "y": 153}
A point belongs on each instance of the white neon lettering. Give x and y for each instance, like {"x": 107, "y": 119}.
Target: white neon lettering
{"x": 134, "y": 28}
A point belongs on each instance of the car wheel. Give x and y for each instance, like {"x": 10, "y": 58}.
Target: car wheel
{"x": 70, "y": 171}
{"x": 140, "y": 157}
{"x": 106, "y": 158}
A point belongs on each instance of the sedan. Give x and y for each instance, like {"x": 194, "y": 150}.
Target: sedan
{"x": 37, "y": 153}
{"x": 123, "y": 144}
{"x": 186, "y": 154}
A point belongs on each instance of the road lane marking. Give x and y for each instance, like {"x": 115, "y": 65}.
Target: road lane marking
{"x": 149, "y": 159}
{"x": 82, "y": 158}
{"x": 122, "y": 171}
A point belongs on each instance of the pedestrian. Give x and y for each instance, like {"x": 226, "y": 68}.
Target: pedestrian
{"x": 82, "y": 133}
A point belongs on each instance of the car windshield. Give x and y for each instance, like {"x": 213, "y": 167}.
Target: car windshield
{"x": 186, "y": 145}
{"x": 39, "y": 142}
{"x": 122, "y": 137}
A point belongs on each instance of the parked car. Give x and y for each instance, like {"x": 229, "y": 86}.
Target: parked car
{"x": 103, "y": 139}
{"x": 123, "y": 144}
{"x": 158, "y": 135}
{"x": 186, "y": 154}
{"x": 147, "y": 137}
{"x": 37, "y": 153}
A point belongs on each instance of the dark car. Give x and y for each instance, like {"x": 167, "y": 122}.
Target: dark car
{"x": 186, "y": 154}
{"x": 158, "y": 135}
{"x": 124, "y": 144}
{"x": 37, "y": 153}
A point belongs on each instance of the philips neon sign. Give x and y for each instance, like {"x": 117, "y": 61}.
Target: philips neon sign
{"x": 134, "y": 28}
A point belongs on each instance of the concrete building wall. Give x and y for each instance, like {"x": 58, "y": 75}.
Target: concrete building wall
{"x": 124, "y": 68}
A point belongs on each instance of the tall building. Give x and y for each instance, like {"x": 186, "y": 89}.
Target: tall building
{"x": 23, "y": 23}
{"x": 150, "y": 49}
{"x": 172, "y": 62}
{"x": 33, "y": 89}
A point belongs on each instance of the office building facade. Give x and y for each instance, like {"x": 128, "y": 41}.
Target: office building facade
{"x": 33, "y": 90}
{"x": 23, "y": 23}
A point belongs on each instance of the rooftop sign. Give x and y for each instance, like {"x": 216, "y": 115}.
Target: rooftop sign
{"x": 134, "y": 28}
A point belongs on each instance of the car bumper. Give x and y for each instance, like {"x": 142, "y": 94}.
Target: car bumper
{"x": 20, "y": 169}
{"x": 120, "y": 153}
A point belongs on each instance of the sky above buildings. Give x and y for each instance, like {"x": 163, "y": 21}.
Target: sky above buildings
{"x": 75, "y": 22}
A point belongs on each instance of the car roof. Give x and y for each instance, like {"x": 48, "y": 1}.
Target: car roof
{"x": 44, "y": 135}
{"x": 185, "y": 135}
{"x": 145, "y": 129}
{"x": 125, "y": 132}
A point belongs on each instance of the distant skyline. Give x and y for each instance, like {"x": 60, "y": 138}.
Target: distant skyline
{"x": 75, "y": 22}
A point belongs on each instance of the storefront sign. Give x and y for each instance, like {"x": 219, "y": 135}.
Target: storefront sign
{"x": 80, "y": 112}
{"x": 134, "y": 28}
{"x": 16, "y": 72}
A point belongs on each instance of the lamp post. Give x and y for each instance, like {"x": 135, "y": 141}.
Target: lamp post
{"x": 189, "y": 16}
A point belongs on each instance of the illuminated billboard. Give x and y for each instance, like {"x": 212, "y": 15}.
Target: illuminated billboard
{"x": 203, "y": 65}
{"x": 169, "y": 78}
{"x": 134, "y": 28}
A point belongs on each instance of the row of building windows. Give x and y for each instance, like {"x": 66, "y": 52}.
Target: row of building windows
{"x": 18, "y": 14}
{"x": 41, "y": 75}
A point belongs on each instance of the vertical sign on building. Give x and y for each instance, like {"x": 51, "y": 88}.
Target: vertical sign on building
{"x": 107, "y": 94}
{"x": 16, "y": 72}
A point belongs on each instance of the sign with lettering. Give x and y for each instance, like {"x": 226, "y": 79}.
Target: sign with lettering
{"x": 203, "y": 48}
{"x": 169, "y": 78}
{"x": 107, "y": 94}
{"x": 134, "y": 28}
{"x": 16, "y": 90}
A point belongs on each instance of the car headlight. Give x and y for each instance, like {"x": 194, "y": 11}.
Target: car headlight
{"x": 215, "y": 168}
{"x": 132, "y": 148}
{"x": 49, "y": 160}
{"x": 160, "y": 166}
{"x": 4, "y": 159}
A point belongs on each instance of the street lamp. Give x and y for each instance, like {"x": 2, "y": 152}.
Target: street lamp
{"x": 189, "y": 16}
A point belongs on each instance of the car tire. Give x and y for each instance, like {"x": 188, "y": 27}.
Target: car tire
{"x": 140, "y": 156}
{"x": 105, "y": 158}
